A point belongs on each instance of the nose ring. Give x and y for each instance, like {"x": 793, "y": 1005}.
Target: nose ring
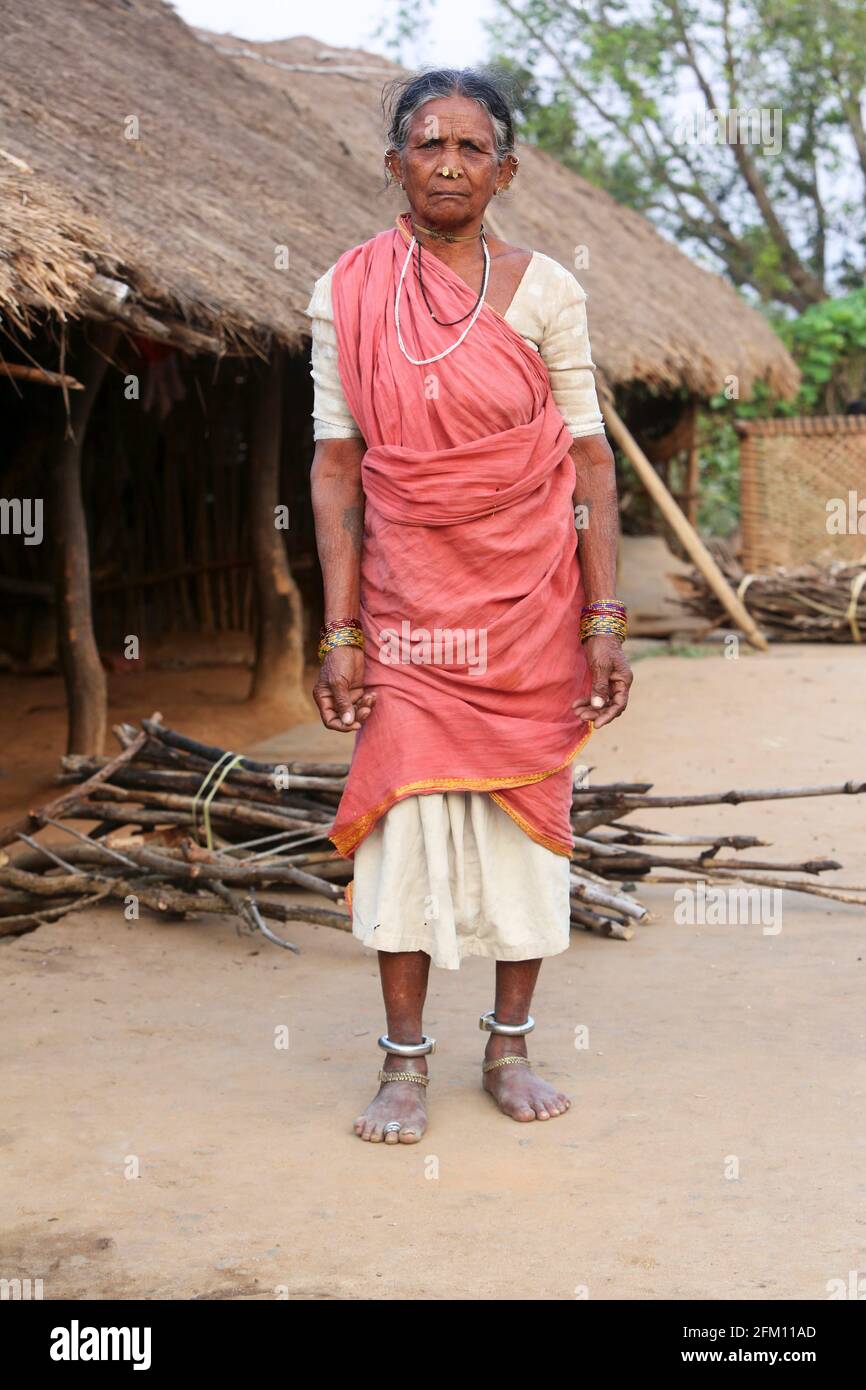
{"x": 450, "y": 173}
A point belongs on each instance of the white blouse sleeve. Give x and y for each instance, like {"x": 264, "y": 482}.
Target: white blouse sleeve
{"x": 564, "y": 346}
{"x": 332, "y": 418}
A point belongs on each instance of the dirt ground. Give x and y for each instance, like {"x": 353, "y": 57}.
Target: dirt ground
{"x": 715, "y": 1146}
{"x": 207, "y": 701}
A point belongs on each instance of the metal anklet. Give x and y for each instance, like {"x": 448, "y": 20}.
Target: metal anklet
{"x": 513, "y": 1061}
{"x": 510, "y": 1030}
{"x": 408, "y": 1049}
{"x": 418, "y": 1077}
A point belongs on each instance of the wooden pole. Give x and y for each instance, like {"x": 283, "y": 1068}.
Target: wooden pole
{"x": 83, "y": 672}
{"x": 40, "y": 375}
{"x": 693, "y": 467}
{"x": 680, "y": 526}
{"x": 279, "y": 663}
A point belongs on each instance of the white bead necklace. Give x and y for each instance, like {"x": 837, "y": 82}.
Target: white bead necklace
{"x": 425, "y": 361}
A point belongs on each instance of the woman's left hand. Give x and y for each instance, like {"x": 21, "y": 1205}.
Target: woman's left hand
{"x": 611, "y": 681}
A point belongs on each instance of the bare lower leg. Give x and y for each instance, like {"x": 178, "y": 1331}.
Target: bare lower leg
{"x": 516, "y": 1089}
{"x": 404, "y": 990}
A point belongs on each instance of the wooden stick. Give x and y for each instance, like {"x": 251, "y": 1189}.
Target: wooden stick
{"x": 679, "y": 524}
{"x": 127, "y": 814}
{"x": 818, "y": 890}
{"x": 245, "y": 909}
{"x": 163, "y": 899}
{"x": 736, "y": 797}
{"x": 230, "y": 808}
{"x": 619, "y": 902}
{"x": 634, "y": 862}
{"x": 275, "y": 871}
{"x": 670, "y": 837}
{"x": 631, "y": 835}
{"x": 18, "y": 926}
{"x": 605, "y": 926}
{"x": 179, "y": 778}
{"x": 40, "y": 375}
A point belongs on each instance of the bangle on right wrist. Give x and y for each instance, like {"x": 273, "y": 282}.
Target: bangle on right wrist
{"x": 605, "y": 617}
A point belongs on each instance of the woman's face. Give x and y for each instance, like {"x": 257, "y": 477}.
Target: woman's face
{"x": 454, "y": 132}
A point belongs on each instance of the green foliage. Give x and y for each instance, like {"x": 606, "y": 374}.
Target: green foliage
{"x": 828, "y": 342}
{"x": 610, "y": 86}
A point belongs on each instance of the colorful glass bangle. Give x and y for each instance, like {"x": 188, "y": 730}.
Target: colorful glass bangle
{"x": 603, "y": 625}
{"x": 348, "y": 636}
{"x": 338, "y": 622}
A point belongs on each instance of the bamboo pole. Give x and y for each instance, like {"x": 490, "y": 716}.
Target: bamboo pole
{"x": 679, "y": 524}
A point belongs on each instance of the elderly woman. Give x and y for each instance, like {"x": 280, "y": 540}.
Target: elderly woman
{"x": 459, "y": 455}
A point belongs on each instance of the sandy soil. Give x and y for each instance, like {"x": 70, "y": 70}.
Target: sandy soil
{"x": 706, "y": 1045}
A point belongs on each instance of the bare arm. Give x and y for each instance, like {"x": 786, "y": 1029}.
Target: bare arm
{"x": 598, "y": 534}
{"x": 338, "y": 509}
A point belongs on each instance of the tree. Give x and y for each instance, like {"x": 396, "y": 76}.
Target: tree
{"x": 738, "y": 127}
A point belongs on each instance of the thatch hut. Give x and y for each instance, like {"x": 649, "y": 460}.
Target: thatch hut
{"x": 167, "y": 198}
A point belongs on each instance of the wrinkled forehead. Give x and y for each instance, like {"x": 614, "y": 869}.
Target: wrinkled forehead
{"x": 452, "y": 119}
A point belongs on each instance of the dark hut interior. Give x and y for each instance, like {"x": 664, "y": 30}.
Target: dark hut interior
{"x": 165, "y": 487}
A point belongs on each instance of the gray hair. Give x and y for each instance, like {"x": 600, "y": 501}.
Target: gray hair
{"x": 403, "y": 97}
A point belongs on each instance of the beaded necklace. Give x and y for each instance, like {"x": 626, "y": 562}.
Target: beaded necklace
{"x": 479, "y": 304}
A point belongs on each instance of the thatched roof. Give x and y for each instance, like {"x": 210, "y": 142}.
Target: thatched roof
{"x": 244, "y": 148}
{"x": 49, "y": 250}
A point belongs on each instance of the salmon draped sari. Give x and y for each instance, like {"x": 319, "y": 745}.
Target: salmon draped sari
{"x": 468, "y": 531}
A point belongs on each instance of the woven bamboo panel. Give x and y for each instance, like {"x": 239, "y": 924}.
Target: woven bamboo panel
{"x": 790, "y": 470}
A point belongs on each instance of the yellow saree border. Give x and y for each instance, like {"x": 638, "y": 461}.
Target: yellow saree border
{"x": 345, "y": 841}
{"x": 557, "y": 846}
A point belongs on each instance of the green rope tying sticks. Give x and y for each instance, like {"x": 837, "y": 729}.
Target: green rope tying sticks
{"x": 230, "y": 760}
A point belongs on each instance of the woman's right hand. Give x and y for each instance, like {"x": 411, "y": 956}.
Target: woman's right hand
{"x": 339, "y": 692}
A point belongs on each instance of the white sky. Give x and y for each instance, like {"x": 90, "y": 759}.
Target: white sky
{"x": 456, "y": 37}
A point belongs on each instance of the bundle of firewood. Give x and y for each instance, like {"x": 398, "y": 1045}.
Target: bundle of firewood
{"x": 185, "y": 829}
{"x": 807, "y": 604}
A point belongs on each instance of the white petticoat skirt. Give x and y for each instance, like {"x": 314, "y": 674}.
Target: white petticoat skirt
{"x": 451, "y": 874}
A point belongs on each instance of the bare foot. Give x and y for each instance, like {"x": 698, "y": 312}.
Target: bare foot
{"x": 403, "y": 1101}
{"x": 516, "y": 1089}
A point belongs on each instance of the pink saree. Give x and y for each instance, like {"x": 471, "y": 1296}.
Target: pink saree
{"x": 470, "y": 586}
